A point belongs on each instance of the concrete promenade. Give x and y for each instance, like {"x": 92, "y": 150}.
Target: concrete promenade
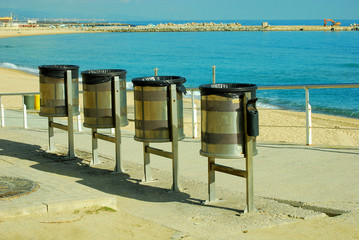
{"x": 292, "y": 182}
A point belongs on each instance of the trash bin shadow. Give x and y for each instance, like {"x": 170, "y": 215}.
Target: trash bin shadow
{"x": 102, "y": 179}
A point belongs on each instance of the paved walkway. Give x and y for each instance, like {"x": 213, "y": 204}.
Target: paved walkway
{"x": 317, "y": 179}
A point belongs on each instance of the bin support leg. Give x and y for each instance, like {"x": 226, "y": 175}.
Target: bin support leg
{"x": 174, "y": 138}
{"x": 249, "y": 184}
{"x": 95, "y": 160}
{"x": 147, "y": 175}
{"x": 118, "y": 167}
{"x": 212, "y": 197}
{"x": 249, "y": 159}
{"x": 70, "y": 116}
{"x": 51, "y": 147}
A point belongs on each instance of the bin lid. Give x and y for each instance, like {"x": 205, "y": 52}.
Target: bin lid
{"x": 227, "y": 88}
{"x": 101, "y": 75}
{"x": 158, "y": 81}
{"x": 161, "y": 81}
{"x": 58, "y": 71}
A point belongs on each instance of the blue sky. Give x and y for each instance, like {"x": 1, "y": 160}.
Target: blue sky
{"x": 183, "y": 9}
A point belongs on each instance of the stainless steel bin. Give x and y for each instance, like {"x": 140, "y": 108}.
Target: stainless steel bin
{"x": 98, "y": 94}
{"x": 53, "y": 93}
{"x": 152, "y": 108}
{"x": 223, "y": 124}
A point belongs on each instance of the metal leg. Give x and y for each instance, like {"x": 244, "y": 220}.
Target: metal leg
{"x": 147, "y": 176}
{"x": 51, "y": 147}
{"x": 70, "y": 116}
{"x": 95, "y": 160}
{"x": 174, "y": 136}
{"x": 211, "y": 181}
{"x": 249, "y": 168}
{"x": 118, "y": 167}
{"x": 249, "y": 160}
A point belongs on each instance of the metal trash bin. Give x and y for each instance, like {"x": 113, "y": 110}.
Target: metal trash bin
{"x": 29, "y": 101}
{"x": 98, "y": 94}
{"x": 152, "y": 108}
{"x": 223, "y": 124}
{"x": 53, "y": 93}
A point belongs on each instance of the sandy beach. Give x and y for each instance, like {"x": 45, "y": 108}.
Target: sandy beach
{"x": 276, "y": 126}
{"x": 21, "y": 32}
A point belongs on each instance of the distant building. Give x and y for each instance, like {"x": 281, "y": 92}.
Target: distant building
{"x": 31, "y": 21}
{"x": 5, "y": 20}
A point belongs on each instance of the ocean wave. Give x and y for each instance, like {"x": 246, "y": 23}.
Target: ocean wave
{"x": 350, "y": 65}
{"x": 34, "y": 71}
{"x": 129, "y": 85}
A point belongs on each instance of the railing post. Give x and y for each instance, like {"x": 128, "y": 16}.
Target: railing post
{"x": 308, "y": 113}
{"x": 213, "y": 74}
{"x": 24, "y": 111}
{"x": 195, "y": 121}
{"x": 193, "y": 109}
{"x": 156, "y": 71}
{"x": 2, "y": 115}
{"x": 79, "y": 127}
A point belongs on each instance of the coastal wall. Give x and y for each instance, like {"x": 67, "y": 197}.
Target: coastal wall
{"x": 224, "y": 27}
{"x": 169, "y": 27}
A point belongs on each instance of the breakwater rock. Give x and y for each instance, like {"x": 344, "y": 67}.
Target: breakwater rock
{"x": 212, "y": 27}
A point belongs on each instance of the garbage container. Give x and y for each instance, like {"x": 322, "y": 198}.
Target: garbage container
{"x": 53, "y": 93}
{"x": 98, "y": 94}
{"x": 222, "y": 115}
{"x": 29, "y": 101}
{"x": 152, "y": 108}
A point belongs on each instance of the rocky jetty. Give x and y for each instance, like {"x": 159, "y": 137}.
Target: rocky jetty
{"x": 213, "y": 27}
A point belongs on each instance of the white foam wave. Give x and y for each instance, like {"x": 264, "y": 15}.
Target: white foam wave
{"x": 265, "y": 105}
{"x": 129, "y": 85}
{"x": 34, "y": 71}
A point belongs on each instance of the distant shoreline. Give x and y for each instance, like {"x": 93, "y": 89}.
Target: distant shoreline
{"x": 168, "y": 27}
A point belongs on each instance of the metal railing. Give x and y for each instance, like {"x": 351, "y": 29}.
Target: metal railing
{"x": 24, "y": 109}
{"x": 305, "y": 87}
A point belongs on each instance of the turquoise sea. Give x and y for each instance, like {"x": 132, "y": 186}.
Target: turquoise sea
{"x": 262, "y": 58}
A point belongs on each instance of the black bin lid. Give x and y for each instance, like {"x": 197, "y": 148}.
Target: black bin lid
{"x": 58, "y": 71}
{"x": 101, "y": 75}
{"x": 158, "y": 81}
{"x": 161, "y": 81}
{"x": 227, "y": 88}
